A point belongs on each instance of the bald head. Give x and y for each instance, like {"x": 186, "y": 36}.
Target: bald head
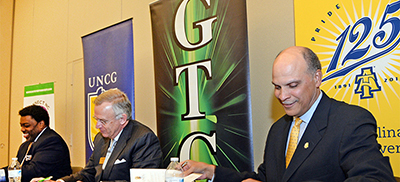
{"x": 296, "y": 76}
{"x": 308, "y": 55}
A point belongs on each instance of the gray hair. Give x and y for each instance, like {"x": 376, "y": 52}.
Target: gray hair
{"x": 118, "y": 99}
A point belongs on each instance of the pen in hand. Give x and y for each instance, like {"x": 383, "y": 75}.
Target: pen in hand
{"x": 44, "y": 179}
{"x": 183, "y": 165}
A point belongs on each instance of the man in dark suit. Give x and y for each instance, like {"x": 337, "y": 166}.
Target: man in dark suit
{"x": 44, "y": 153}
{"x": 121, "y": 144}
{"x": 332, "y": 140}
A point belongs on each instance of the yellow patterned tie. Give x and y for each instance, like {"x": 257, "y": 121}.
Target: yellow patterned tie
{"x": 294, "y": 136}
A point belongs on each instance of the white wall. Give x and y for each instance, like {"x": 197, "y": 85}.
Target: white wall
{"x": 47, "y": 47}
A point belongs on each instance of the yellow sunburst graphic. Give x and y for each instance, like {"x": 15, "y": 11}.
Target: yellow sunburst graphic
{"x": 91, "y": 122}
{"x": 93, "y": 129}
{"x": 358, "y": 43}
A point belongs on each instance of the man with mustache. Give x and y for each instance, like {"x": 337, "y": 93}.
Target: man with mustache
{"x": 319, "y": 138}
{"x": 44, "y": 153}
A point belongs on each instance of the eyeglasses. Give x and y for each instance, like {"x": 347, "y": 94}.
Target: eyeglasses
{"x": 102, "y": 121}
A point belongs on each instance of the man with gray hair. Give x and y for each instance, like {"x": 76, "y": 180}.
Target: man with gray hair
{"x": 122, "y": 143}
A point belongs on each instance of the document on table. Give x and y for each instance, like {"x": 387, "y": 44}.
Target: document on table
{"x": 155, "y": 175}
{"x": 192, "y": 177}
{"x": 147, "y": 175}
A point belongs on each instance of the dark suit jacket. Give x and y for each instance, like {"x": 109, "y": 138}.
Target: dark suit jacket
{"x": 137, "y": 146}
{"x": 339, "y": 144}
{"x": 49, "y": 157}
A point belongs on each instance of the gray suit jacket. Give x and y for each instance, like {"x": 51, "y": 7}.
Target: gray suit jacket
{"x": 137, "y": 147}
{"x": 339, "y": 144}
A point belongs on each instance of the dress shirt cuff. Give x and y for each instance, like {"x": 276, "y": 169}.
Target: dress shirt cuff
{"x": 212, "y": 179}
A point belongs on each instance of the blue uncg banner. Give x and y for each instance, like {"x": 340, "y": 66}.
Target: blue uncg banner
{"x": 108, "y": 63}
{"x": 202, "y": 81}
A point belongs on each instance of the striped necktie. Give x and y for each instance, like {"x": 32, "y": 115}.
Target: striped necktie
{"x": 294, "y": 137}
{"x": 109, "y": 151}
{"x": 26, "y": 154}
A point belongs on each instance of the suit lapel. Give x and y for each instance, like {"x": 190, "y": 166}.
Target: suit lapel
{"x": 121, "y": 143}
{"x": 23, "y": 150}
{"x": 99, "y": 169}
{"x": 311, "y": 137}
{"x": 44, "y": 135}
{"x": 281, "y": 146}
{"x": 104, "y": 148}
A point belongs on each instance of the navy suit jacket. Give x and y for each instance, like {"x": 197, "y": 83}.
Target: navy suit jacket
{"x": 339, "y": 144}
{"x": 48, "y": 156}
{"x": 137, "y": 147}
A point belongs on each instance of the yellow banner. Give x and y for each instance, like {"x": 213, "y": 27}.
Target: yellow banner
{"x": 358, "y": 45}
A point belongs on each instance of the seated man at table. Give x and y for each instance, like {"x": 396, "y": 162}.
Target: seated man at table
{"x": 121, "y": 144}
{"x": 44, "y": 153}
{"x": 318, "y": 139}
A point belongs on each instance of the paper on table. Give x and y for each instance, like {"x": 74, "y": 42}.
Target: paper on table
{"x": 192, "y": 177}
{"x": 147, "y": 175}
{"x": 155, "y": 175}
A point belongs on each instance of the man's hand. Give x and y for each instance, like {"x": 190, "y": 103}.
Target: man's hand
{"x": 36, "y": 179}
{"x": 250, "y": 180}
{"x": 49, "y": 180}
{"x": 189, "y": 167}
{"x": 41, "y": 178}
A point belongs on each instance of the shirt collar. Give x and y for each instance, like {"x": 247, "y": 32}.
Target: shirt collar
{"x": 117, "y": 137}
{"x": 307, "y": 116}
{"x": 37, "y": 137}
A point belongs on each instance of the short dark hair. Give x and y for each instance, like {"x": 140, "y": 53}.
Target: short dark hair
{"x": 312, "y": 60}
{"x": 36, "y": 112}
